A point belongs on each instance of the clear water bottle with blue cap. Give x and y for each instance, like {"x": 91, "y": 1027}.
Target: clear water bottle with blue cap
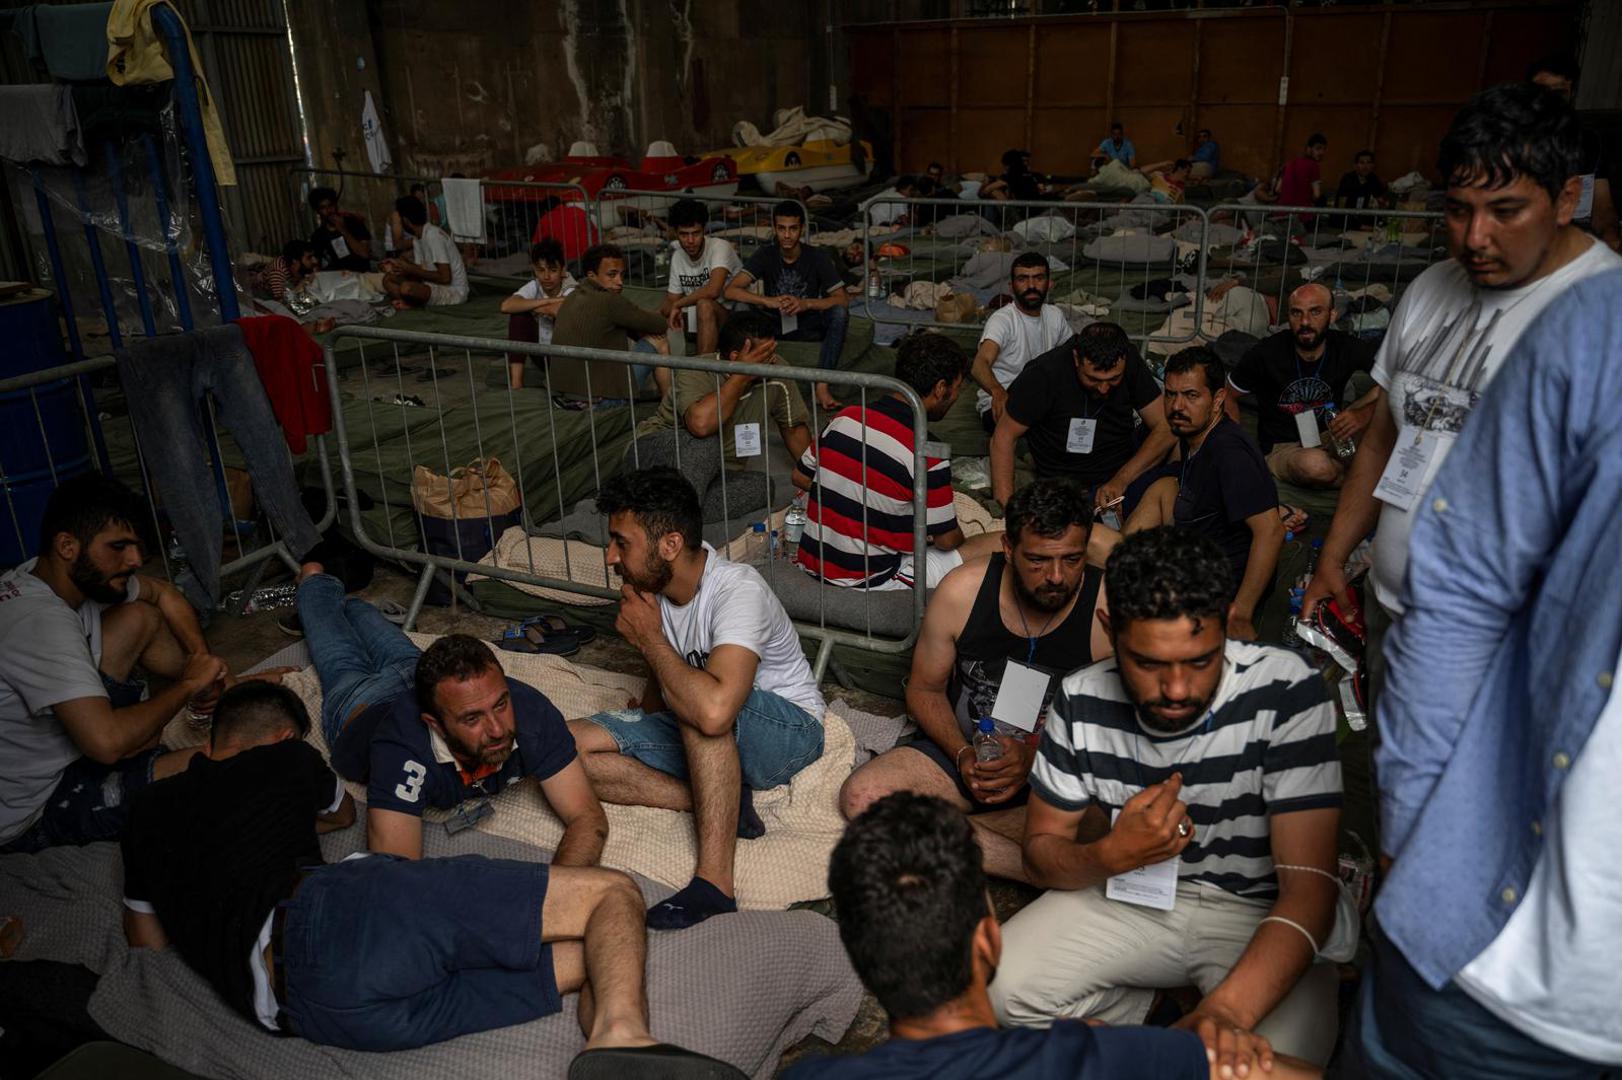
{"x": 986, "y": 746}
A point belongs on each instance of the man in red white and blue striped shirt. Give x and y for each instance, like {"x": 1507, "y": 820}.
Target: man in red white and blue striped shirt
{"x": 860, "y": 478}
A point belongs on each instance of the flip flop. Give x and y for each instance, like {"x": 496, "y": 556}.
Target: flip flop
{"x": 661, "y": 1061}
{"x": 531, "y": 639}
{"x": 554, "y": 623}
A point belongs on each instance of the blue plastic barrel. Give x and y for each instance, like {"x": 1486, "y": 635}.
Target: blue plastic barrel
{"x": 42, "y": 429}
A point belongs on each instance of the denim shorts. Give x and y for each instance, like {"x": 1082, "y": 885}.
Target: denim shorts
{"x": 776, "y": 739}
{"x": 384, "y": 953}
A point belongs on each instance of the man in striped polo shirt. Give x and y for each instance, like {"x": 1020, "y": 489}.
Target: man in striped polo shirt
{"x": 1219, "y": 759}
{"x": 859, "y": 476}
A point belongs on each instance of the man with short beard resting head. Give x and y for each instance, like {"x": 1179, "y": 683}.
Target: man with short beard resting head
{"x": 1216, "y": 755}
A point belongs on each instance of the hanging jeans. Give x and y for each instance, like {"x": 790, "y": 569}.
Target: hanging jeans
{"x": 165, "y": 381}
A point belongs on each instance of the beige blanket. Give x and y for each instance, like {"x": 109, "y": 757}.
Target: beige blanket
{"x": 787, "y": 865}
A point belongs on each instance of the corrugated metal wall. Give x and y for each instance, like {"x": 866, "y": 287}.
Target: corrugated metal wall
{"x": 244, "y": 49}
{"x": 1386, "y": 77}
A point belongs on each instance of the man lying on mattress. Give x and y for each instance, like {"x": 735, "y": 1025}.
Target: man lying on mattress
{"x": 442, "y": 729}
{"x": 373, "y": 953}
{"x": 731, "y": 706}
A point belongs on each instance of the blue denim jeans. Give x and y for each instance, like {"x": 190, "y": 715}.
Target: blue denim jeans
{"x": 828, "y": 327}
{"x": 166, "y": 379}
{"x": 775, "y": 737}
{"x": 360, "y": 657}
{"x": 384, "y": 953}
{"x": 1401, "y": 1029}
{"x": 90, "y": 802}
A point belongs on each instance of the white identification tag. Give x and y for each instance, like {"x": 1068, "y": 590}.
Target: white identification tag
{"x": 692, "y": 319}
{"x": 791, "y": 323}
{"x": 1020, "y": 697}
{"x": 339, "y": 248}
{"x": 1404, "y": 478}
{"x": 1585, "y": 199}
{"x": 746, "y": 440}
{"x": 1306, "y": 426}
{"x": 1082, "y": 431}
{"x": 1153, "y": 886}
{"x": 937, "y": 451}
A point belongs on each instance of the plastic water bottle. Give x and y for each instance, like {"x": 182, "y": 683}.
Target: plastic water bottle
{"x": 757, "y": 541}
{"x": 1342, "y": 448}
{"x": 793, "y": 529}
{"x": 986, "y": 746}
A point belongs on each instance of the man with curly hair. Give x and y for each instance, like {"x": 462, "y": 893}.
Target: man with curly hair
{"x": 1214, "y": 756}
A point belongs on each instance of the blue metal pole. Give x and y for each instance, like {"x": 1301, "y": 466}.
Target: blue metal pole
{"x": 115, "y": 177}
{"x": 191, "y": 123}
{"x": 160, "y": 195}
{"x": 103, "y": 285}
{"x": 64, "y": 294}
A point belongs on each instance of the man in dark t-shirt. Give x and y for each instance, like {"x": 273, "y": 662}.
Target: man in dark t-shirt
{"x": 375, "y": 952}
{"x": 443, "y": 729}
{"x": 1074, "y": 406}
{"x": 1218, "y": 483}
{"x": 802, "y": 286}
{"x": 341, "y": 239}
{"x": 923, "y": 937}
{"x": 1297, "y": 376}
{"x": 1360, "y": 189}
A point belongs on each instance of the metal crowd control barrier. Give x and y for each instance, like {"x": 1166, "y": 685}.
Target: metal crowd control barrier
{"x": 68, "y": 425}
{"x": 747, "y": 221}
{"x": 1347, "y": 250}
{"x": 371, "y": 195}
{"x": 1056, "y": 229}
{"x": 429, "y": 444}
{"x": 517, "y": 213}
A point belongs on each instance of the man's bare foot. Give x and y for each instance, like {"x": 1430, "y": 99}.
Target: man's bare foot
{"x": 826, "y": 400}
{"x": 310, "y": 569}
{"x": 620, "y": 1035}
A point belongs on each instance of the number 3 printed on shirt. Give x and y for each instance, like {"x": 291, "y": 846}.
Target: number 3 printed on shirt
{"x": 411, "y": 790}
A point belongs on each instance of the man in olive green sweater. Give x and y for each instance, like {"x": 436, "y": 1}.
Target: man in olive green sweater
{"x": 598, "y": 316}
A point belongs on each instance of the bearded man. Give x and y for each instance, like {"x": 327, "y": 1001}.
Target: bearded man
{"x": 77, "y": 740}
{"x": 442, "y": 728}
{"x": 1024, "y": 617}
{"x": 730, "y": 707}
{"x": 1215, "y": 762}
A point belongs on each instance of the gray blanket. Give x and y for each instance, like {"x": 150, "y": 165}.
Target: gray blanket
{"x": 741, "y": 987}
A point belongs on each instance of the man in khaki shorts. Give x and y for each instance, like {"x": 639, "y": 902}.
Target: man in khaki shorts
{"x": 1295, "y": 376}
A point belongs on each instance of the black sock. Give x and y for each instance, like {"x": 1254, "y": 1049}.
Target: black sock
{"x": 750, "y": 827}
{"x": 697, "y": 902}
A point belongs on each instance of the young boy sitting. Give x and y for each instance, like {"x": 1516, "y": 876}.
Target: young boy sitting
{"x": 532, "y": 310}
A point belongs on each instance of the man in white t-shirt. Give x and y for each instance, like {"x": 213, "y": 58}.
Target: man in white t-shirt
{"x": 699, "y": 268}
{"x": 730, "y": 706}
{"x": 76, "y": 739}
{"x": 1507, "y": 158}
{"x": 434, "y": 275}
{"x": 1015, "y": 335}
{"x": 532, "y": 311}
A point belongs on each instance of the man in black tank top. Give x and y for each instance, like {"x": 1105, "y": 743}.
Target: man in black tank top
{"x": 1027, "y": 615}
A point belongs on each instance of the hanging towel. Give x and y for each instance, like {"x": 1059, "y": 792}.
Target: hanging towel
{"x": 464, "y": 209}
{"x": 288, "y": 360}
{"x": 38, "y": 123}
{"x": 371, "y": 133}
{"x": 137, "y": 56}
{"x": 70, "y": 40}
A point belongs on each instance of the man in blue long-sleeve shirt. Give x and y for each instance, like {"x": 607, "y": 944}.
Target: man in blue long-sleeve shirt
{"x": 1502, "y": 730}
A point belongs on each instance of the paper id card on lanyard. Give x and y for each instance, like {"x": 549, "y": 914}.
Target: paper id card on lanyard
{"x": 692, "y": 319}
{"x": 339, "y": 247}
{"x": 1403, "y": 480}
{"x": 1306, "y": 426}
{"x": 1082, "y": 432}
{"x": 1153, "y": 886}
{"x": 746, "y": 440}
{"x": 791, "y": 323}
{"x": 1020, "y": 697}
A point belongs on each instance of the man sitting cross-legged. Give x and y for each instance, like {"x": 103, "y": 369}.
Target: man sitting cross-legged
{"x": 374, "y": 953}
{"x": 731, "y": 706}
{"x": 918, "y": 923}
{"x": 441, "y": 729}
{"x": 1219, "y": 759}
{"x": 1029, "y": 608}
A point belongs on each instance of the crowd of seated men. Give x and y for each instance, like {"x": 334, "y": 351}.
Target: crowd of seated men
{"x": 1095, "y": 717}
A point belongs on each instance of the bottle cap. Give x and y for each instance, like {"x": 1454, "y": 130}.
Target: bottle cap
{"x": 759, "y": 527}
{"x": 987, "y": 726}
